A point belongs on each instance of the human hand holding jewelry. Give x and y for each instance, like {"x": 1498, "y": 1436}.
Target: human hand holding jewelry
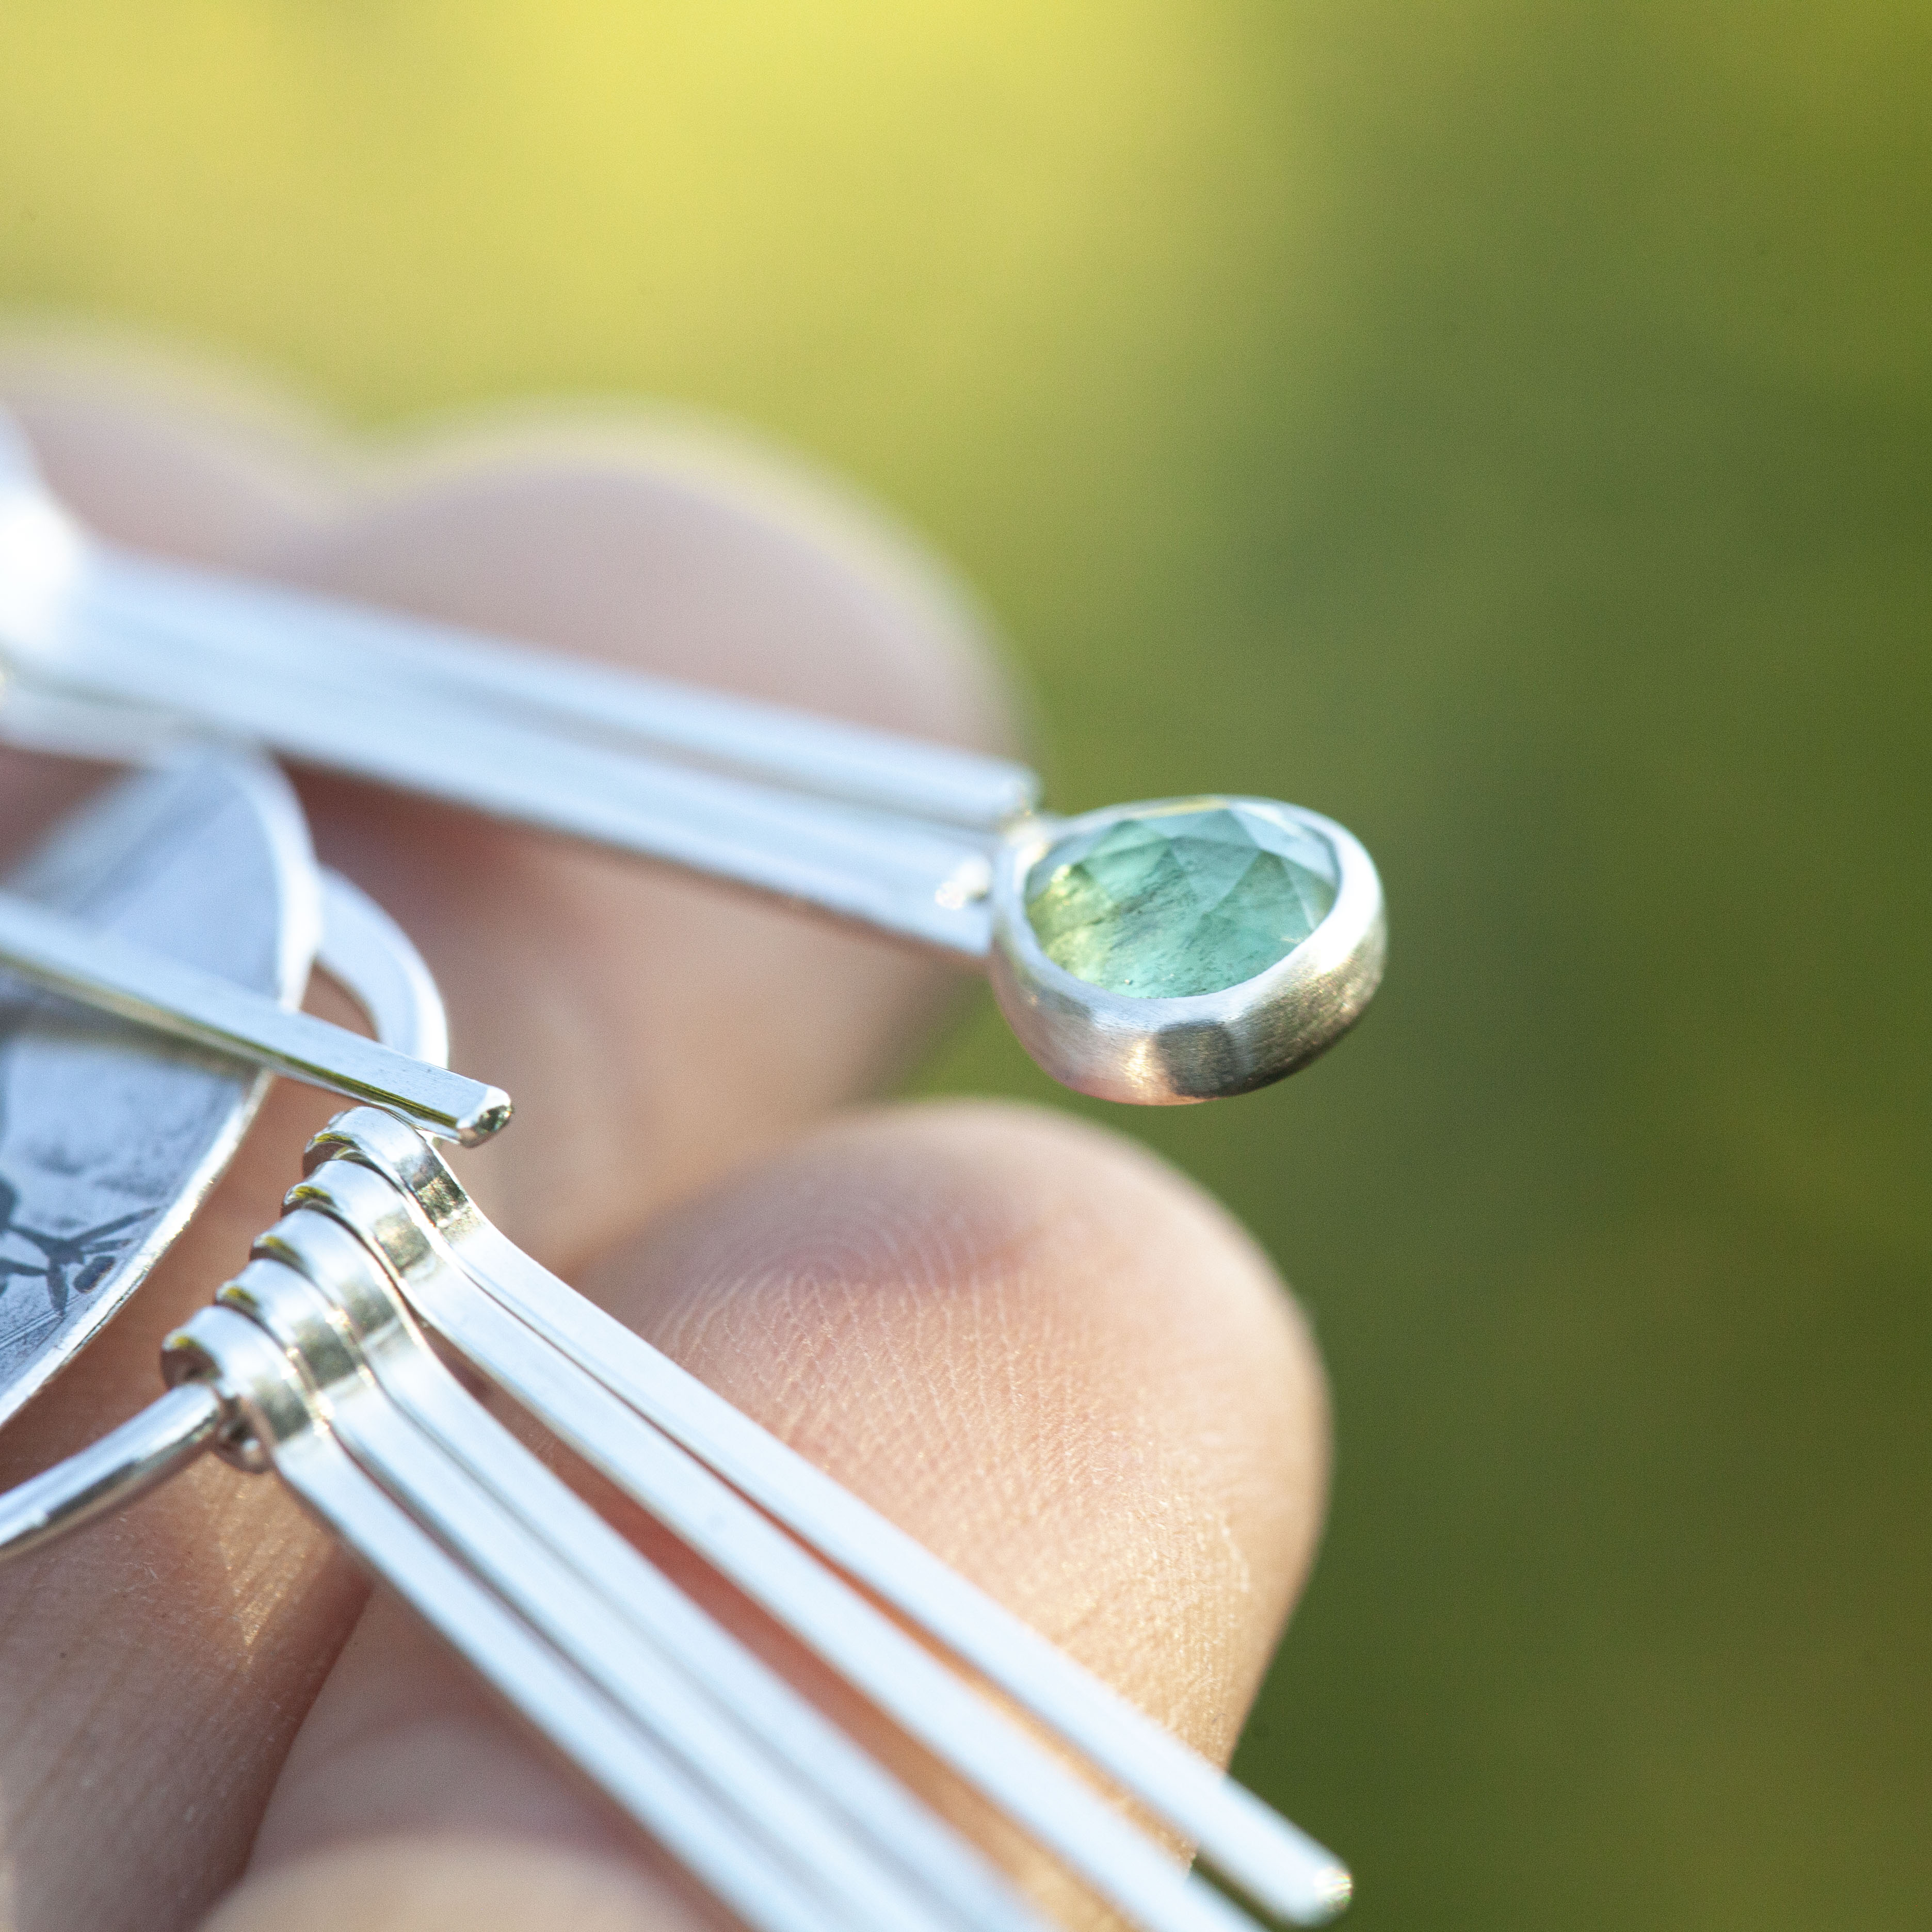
{"x": 866, "y": 1291}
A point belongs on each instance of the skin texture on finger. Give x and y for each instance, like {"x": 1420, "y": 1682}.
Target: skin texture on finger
{"x": 152, "y": 1670}
{"x": 652, "y": 1029}
{"x": 1031, "y": 1344}
{"x": 457, "y": 1886}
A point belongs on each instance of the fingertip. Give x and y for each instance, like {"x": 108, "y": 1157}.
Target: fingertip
{"x": 679, "y": 549}
{"x": 168, "y": 453}
{"x": 1040, "y": 1349}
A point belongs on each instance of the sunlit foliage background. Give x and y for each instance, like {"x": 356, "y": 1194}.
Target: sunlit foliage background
{"x": 1503, "y": 425}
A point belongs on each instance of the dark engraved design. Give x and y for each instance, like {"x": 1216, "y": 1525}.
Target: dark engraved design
{"x": 110, "y": 1137}
{"x": 68, "y": 1264}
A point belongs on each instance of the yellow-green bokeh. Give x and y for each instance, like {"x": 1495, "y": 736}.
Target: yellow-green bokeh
{"x": 1503, "y": 426}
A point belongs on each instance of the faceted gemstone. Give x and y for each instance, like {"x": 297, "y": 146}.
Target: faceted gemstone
{"x": 1187, "y": 900}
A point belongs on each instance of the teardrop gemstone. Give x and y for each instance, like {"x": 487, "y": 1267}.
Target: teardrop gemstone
{"x": 1193, "y": 898}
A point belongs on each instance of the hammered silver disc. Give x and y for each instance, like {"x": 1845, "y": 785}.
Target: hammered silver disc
{"x": 111, "y": 1137}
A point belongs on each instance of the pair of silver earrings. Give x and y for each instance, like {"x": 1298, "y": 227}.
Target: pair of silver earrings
{"x": 1178, "y": 951}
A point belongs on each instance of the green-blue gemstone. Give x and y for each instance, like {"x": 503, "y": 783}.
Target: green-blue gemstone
{"x": 1177, "y": 902}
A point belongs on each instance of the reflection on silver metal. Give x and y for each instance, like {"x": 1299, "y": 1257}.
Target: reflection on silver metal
{"x": 616, "y": 1400}
{"x": 80, "y": 962}
{"x": 110, "y": 1138}
{"x": 110, "y": 654}
{"x": 312, "y": 1364}
{"x": 321, "y": 1294}
{"x": 375, "y": 962}
{"x": 367, "y": 953}
{"x": 860, "y": 824}
{"x": 1166, "y": 1051}
{"x": 123, "y": 1466}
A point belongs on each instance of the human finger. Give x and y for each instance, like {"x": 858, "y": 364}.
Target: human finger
{"x": 255, "y": 1606}
{"x": 1053, "y": 1361}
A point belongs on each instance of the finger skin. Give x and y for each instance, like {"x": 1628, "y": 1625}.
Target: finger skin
{"x": 651, "y": 1028}
{"x": 1031, "y": 1344}
{"x": 155, "y": 1668}
{"x": 152, "y": 1671}
{"x": 459, "y": 1885}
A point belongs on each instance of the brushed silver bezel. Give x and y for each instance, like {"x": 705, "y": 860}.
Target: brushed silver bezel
{"x": 1171, "y": 1052}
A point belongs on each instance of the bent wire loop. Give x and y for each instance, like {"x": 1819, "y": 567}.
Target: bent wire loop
{"x": 313, "y": 1362}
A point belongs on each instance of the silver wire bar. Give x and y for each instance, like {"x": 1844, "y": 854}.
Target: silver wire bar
{"x": 907, "y": 876}
{"x": 98, "y": 969}
{"x": 266, "y": 624}
{"x": 340, "y": 1277}
{"x": 379, "y": 1418}
{"x": 125, "y": 1464}
{"x": 547, "y": 1688}
{"x": 868, "y": 827}
{"x": 898, "y": 1675}
{"x": 1276, "y": 1864}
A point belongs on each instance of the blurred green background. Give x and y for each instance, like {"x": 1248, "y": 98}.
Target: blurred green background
{"x": 1504, "y": 426}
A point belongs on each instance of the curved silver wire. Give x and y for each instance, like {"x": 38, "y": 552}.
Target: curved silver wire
{"x": 122, "y": 1467}
{"x": 766, "y": 1801}
{"x": 549, "y": 1557}
{"x": 373, "y": 960}
{"x": 375, "y": 963}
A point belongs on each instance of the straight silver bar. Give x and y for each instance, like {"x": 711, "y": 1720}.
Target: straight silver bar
{"x": 1267, "y": 1856}
{"x": 269, "y": 624}
{"x": 83, "y": 963}
{"x": 923, "y": 882}
{"x": 598, "y": 1600}
{"x": 127, "y": 1463}
{"x": 358, "y": 1390}
{"x": 548, "y": 1691}
{"x": 898, "y": 1675}
{"x": 1274, "y": 1862}
{"x": 251, "y": 1371}
{"x": 812, "y": 1752}
{"x": 105, "y": 650}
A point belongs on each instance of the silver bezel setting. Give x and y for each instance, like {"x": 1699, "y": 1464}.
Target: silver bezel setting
{"x": 1168, "y": 1052}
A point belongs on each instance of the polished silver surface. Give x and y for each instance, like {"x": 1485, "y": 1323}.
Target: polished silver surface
{"x": 547, "y": 1555}
{"x": 254, "y": 622}
{"x": 108, "y": 651}
{"x": 610, "y": 1393}
{"x": 122, "y": 1467}
{"x": 80, "y": 960}
{"x": 894, "y": 1671}
{"x": 1169, "y": 1052}
{"x": 375, "y": 963}
{"x": 265, "y": 1393}
{"x": 312, "y": 1364}
{"x": 110, "y": 1137}
{"x": 370, "y": 958}
{"x": 883, "y": 831}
